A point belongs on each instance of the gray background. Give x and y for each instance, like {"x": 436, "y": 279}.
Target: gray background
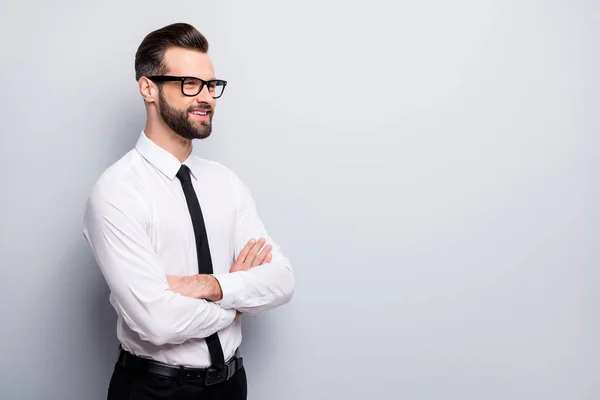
{"x": 429, "y": 167}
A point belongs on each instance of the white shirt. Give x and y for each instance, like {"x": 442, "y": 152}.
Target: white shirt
{"x": 138, "y": 225}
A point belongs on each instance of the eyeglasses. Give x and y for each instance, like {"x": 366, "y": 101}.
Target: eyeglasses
{"x": 191, "y": 86}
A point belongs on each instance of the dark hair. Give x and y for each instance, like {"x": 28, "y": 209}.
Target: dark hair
{"x": 149, "y": 58}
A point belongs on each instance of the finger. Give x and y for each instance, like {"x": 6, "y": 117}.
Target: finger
{"x": 246, "y": 249}
{"x": 239, "y": 263}
{"x": 260, "y": 258}
{"x": 253, "y": 252}
{"x": 269, "y": 258}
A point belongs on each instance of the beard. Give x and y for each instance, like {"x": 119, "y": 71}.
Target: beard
{"x": 180, "y": 123}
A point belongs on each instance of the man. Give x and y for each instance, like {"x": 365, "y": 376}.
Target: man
{"x": 179, "y": 240}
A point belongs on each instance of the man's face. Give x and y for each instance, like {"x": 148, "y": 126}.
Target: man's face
{"x": 189, "y": 117}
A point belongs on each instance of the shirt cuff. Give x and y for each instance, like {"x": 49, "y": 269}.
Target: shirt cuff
{"x": 232, "y": 287}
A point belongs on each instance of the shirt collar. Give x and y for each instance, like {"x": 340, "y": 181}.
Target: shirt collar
{"x": 164, "y": 161}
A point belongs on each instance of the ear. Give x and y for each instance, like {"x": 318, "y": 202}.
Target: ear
{"x": 148, "y": 89}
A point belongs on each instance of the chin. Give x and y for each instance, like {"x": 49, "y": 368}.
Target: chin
{"x": 203, "y": 134}
{"x": 204, "y": 131}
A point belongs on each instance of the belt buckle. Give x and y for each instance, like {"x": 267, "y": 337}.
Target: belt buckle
{"x": 215, "y": 375}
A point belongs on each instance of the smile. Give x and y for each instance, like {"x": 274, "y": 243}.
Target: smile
{"x": 199, "y": 114}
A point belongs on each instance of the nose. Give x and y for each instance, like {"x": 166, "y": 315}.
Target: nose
{"x": 205, "y": 97}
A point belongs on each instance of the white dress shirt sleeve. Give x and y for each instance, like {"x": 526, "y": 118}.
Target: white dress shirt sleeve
{"x": 115, "y": 225}
{"x": 263, "y": 287}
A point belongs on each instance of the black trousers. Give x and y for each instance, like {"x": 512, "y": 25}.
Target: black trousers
{"x": 128, "y": 385}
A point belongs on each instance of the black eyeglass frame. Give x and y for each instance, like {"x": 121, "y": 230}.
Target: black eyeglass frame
{"x": 170, "y": 78}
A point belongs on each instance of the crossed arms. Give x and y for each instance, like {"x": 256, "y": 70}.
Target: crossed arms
{"x": 168, "y": 309}
{"x": 203, "y": 286}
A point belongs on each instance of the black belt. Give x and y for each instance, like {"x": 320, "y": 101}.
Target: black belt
{"x": 208, "y": 376}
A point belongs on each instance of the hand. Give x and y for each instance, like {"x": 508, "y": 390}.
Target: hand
{"x": 252, "y": 256}
{"x": 196, "y": 286}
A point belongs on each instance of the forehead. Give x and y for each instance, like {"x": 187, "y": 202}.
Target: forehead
{"x": 185, "y": 62}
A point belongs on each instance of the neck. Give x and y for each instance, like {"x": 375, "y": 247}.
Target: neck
{"x": 165, "y": 138}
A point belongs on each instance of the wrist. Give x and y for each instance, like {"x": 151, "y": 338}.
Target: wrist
{"x": 216, "y": 292}
{"x": 208, "y": 288}
{"x": 199, "y": 285}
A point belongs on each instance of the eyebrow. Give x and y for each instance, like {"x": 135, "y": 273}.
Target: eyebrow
{"x": 169, "y": 73}
{"x": 212, "y": 78}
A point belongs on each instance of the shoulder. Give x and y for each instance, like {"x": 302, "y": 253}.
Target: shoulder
{"x": 119, "y": 187}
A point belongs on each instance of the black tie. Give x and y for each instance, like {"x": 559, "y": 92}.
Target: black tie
{"x": 203, "y": 251}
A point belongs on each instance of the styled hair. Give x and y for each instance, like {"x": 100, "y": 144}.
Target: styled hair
{"x": 149, "y": 57}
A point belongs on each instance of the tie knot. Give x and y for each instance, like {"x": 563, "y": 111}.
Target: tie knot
{"x": 184, "y": 174}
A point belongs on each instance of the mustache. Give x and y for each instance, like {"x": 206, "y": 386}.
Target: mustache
{"x": 201, "y": 107}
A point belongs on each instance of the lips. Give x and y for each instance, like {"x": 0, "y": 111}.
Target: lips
{"x": 201, "y": 115}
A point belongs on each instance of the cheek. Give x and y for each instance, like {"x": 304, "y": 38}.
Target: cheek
{"x": 182, "y": 106}
{"x": 176, "y": 100}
